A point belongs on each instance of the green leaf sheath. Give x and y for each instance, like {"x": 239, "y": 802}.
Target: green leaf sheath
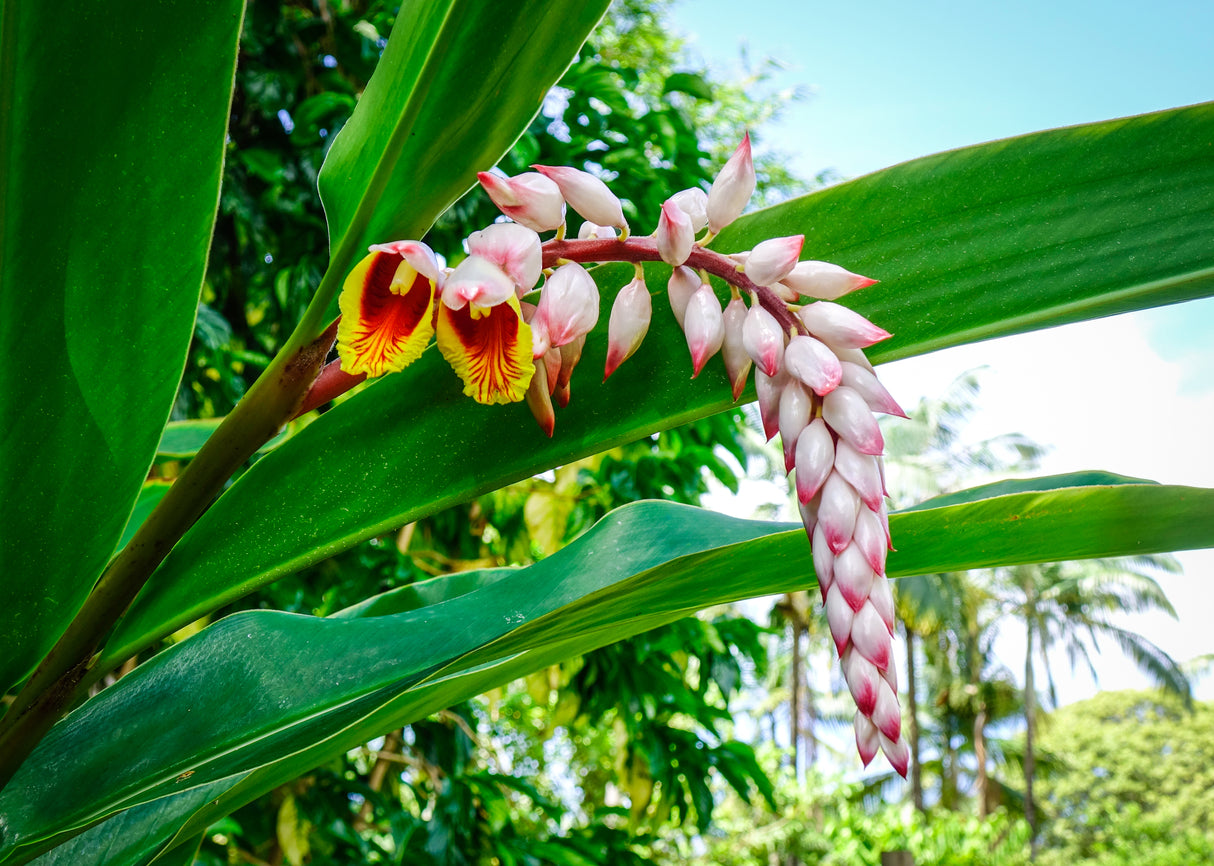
{"x": 939, "y": 232}
{"x": 276, "y": 693}
{"x": 456, "y": 86}
{"x": 109, "y": 180}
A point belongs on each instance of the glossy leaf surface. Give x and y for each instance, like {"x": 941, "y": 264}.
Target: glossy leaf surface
{"x": 945, "y": 234}
{"x": 278, "y": 693}
{"x": 109, "y": 181}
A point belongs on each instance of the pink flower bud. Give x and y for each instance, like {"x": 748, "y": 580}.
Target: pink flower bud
{"x": 552, "y": 367}
{"x": 824, "y": 560}
{"x": 529, "y": 199}
{"x": 561, "y": 395}
{"x": 512, "y": 247}
{"x": 837, "y": 512}
{"x": 586, "y": 194}
{"x": 865, "y": 381}
{"x": 628, "y": 325}
{"x": 771, "y": 260}
{"x": 815, "y": 454}
{"x": 897, "y": 753}
{"x": 869, "y": 537}
{"x": 694, "y": 203}
{"x": 569, "y": 304}
{"x": 863, "y": 680}
{"x": 823, "y": 281}
{"x": 592, "y": 231}
{"x": 853, "y": 576}
{"x": 861, "y": 472}
{"x": 732, "y": 188}
{"x": 813, "y": 363}
{"x": 704, "y": 327}
{"x": 419, "y": 256}
{"x": 570, "y": 354}
{"x": 795, "y": 408}
{"x": 809, "y": 518}
{"x": 882, "y": 598}
{"x": 840, "y": 617}
{"x": 764, "y": 339}
{"x": 867, "y": 738}
{"x": 839, "y": 326}
{"x": 769, "y": 389}
{"x": 849, "y": 416}
{"x": 476, "y": 281}
{"x": 887, "y": 715}
{"x": 684, "y": 282}
{"x": 733, "y": 352}
{"x": 675, "y": 236}
{"x": 539, "y": 401}
{"x": 871, "y": 638}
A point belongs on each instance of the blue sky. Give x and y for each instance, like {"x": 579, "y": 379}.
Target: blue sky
{"x": 886, "y": 82}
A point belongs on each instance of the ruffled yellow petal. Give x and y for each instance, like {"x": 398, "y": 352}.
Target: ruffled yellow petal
{"x": 490, "y": 349}
{"x": 386, "y": 318}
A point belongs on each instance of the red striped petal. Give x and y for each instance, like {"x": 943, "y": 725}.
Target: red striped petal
{"x": 489, "y": 348}
{"x": 386, "y": 318}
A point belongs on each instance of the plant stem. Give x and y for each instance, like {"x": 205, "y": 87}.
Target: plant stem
{"x": 55, "y": 683}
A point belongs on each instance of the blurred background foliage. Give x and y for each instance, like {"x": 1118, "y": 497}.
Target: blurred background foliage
{"x": 702, "y": 741}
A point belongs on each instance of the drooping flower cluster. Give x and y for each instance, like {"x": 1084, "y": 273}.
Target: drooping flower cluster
{"x": 815, "y": 386}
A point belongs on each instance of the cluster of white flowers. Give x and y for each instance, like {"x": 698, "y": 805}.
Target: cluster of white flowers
{"x": 815, "y": 386}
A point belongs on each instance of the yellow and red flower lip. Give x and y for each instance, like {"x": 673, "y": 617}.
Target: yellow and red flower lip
{"x": 489, "y": 349}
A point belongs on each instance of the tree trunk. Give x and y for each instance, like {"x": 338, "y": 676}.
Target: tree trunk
{"x": 1030, "y": 810}
{"x": 980, "y": 783}
{"x": 912, "y": 712}
{"x": 794, "y": 700}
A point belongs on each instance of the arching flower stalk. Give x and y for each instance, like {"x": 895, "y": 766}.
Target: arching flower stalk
{"x": 815, "y": 386}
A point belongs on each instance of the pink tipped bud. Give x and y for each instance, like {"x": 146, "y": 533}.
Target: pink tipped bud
{"x": 824, "y": 560}
{"x": 795, "y": 408}
{"x": 628, "y": 325}
{"x": 849, "y": 416}
{"x": 694, "y": 203}
{"x": 770, "y": 389}
{"x": 476, "y": 281}
{"x": 887, "y": 715}
{"x": 809, "y": 517}
{"x": 868, "y": 740}
{"x": 854, "y": 356}
{"x": 840, "y": 617}
{"x": 863, "y": 680}
{"x": 684, "y": 282}
{"x": 897, "y": 753}
{"x": 840, "y": 326}
{"x": 837, "y": 512}
{"x": 561, "y": 396}
{"x": 419, "y": 256}
{"x": 512, "y": 247}
{"x": 813, "y": 363}
{"x": 862, "y": 472}
{"x": 853, "y": 576}
{"x": 552, "y": 368}
{"x": 704, "y": 327}
{"x": 569, "y": 304}
{"x": 869, "y": 536}
{"x": 823, "y": 281}
{"x": 882, "y": 598}
{"x": 865, "y": 381}
{"x": 764, "y": 339}
{"x": 675, "y": 236}
{"x": 586, "y": 194}
{"x": 733, "y": 352}
{"x": 870, "y": 637}
{"x": 815, "y": 454}
{"x": 570, "y": 354}
{"x": 771, "y": 260}
{"x": 593, "y": 231}
{"x": 539, "y": 401}
{"x": 732, "y": 188}
{"x": 529, "y": 199}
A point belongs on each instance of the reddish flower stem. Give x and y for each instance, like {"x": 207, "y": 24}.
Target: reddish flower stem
{"x": 646, "y": 250}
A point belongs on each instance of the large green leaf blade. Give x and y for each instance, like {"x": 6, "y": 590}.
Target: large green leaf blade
{"x": 111, "y": 142}
{"x": 412, "y": 443}
{"x": 457, "y": 84}
{"x": 276, "y": 693}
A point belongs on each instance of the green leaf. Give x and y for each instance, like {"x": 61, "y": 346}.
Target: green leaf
{"x": 149, "y": 497}
{"x": 111, "y": 141}
{"x": 962, "y": 240}
{"x": 456, "y": 86}
{"x": 277, "y": 693}
{"x": 691, "y": 83}
{"x": 182, "y": 439}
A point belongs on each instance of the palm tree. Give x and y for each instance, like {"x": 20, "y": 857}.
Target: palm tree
{"x": 1072, "y": 606}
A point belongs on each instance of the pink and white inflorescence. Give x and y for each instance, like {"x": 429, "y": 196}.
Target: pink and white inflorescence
{"x": 815, "y": 386}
